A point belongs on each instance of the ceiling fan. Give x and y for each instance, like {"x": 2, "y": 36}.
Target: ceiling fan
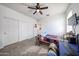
{"x": 37, "y": 8}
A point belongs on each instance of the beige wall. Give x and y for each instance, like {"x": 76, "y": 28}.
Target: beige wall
{"x": 53, "y": 25}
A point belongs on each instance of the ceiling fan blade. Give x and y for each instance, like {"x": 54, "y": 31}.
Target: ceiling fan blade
{"x": 40, "y": 12}
{"x": 34, "y": 12}
{"x": 31, "y": 7}
{"x": 44, "y": 8}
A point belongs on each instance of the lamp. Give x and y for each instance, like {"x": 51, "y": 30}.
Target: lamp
{"x": 35, "y": 25}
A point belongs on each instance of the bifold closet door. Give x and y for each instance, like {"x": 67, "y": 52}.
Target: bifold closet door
{"x": 25, "y": 30}
{"x": 0, "y": 33}
{"x": 10, "y": 31}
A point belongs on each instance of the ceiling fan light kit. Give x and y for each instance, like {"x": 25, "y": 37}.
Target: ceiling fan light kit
{"x": 37, "y": 10}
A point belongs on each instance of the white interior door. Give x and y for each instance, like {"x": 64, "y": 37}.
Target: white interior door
{"x": 10, "y": 31}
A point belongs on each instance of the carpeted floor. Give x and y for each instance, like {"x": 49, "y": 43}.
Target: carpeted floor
{"x": 24, "y": 48}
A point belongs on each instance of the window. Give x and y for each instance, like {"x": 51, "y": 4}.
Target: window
{"x": 69, "y": 28}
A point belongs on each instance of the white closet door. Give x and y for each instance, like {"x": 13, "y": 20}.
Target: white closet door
{"x": 30, "y": 30}
{"x": 23, "y": 30}
{"x": 0, "y": 33}
{"x": 10, "y": 31}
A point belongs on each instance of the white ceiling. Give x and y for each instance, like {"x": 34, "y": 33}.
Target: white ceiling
{"x": 53, "y": 9}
